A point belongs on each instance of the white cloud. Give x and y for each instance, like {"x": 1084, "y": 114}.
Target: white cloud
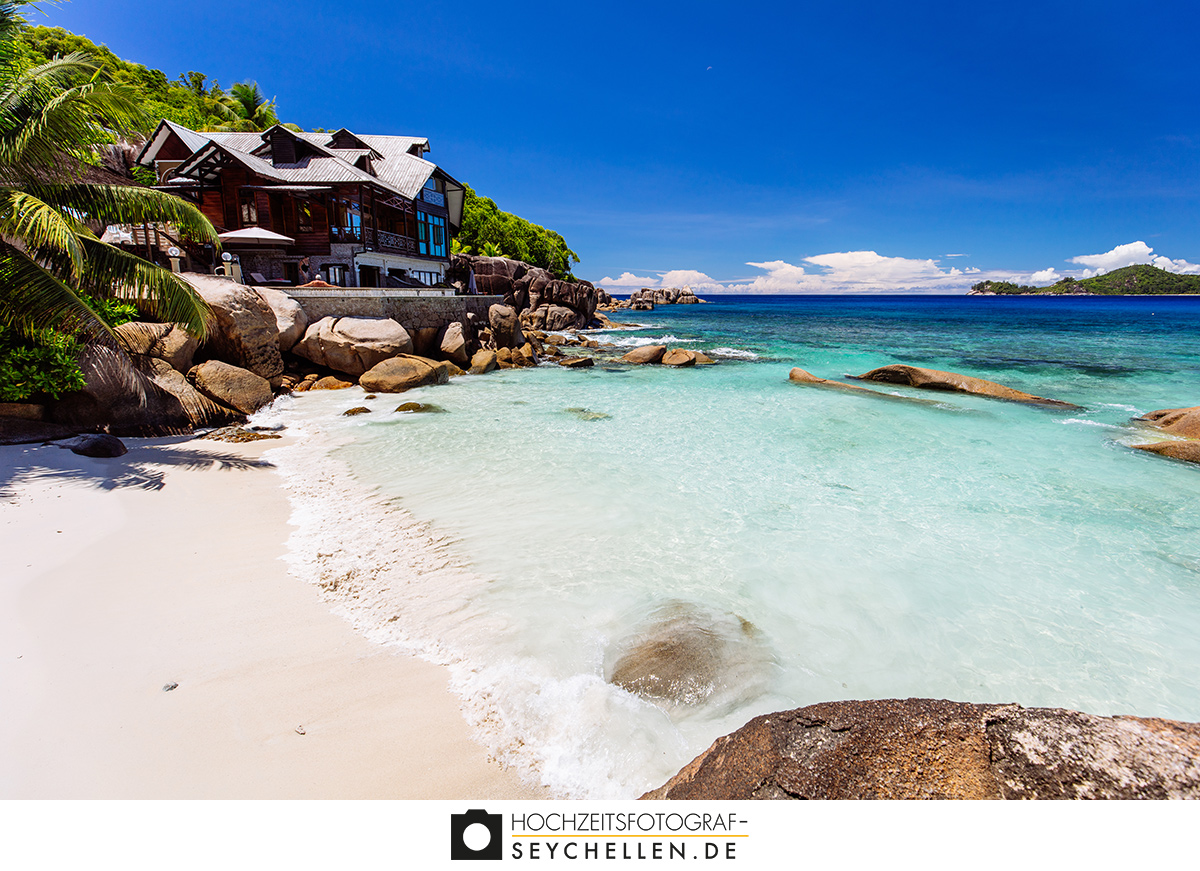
{"x": 871, "y": 272}
{"x": 854, "y": 272}
{"x": 1176, "y": 265}
{"x": 628, "y": 279}
{"x": 690, "y": 277}
{"x": 1122, "y": 255}
{"x": 1128, "y": 255}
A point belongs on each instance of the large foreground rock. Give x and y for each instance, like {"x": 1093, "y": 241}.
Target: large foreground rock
{"x": 933, "y": 379}
{"x": 353, "y": 345}
{"x": 926, "y": 748}
{"x": 290, "y": 319}
{"x": 136, "y": 396}
{"x": 506, "y": 326}
{"x": 244, "y": 330}
{"x": 1183, "y": 422}
{"x": 164, "y": 341}
{"x": 403, "y": 373}
{"x": 229, "y": 385}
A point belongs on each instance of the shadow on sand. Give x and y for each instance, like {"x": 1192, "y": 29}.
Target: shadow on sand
{"x": 145, "y": 467}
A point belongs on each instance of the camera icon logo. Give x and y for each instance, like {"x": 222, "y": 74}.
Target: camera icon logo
{"x": 476, "y": 835}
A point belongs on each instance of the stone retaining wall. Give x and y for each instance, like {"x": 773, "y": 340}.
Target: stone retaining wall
{"x": 412, "y": 312}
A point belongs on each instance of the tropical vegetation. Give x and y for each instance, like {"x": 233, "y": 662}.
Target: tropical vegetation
{"x": 193, "y": 100}
{"x": 488, "y": 231}
{"x": 1142, "y": 279}
{"x": 59, "y": 283}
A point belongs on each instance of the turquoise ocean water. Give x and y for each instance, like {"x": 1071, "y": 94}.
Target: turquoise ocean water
{"x": 838, "y": 546}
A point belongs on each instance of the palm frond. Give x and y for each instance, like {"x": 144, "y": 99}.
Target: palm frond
{"x": 33, "y": 299}
{"x": 39, "y": 225}
{"x": 118, "y": 204}
{"x": 109, "y": 270}
{"x": 72, "y": 121}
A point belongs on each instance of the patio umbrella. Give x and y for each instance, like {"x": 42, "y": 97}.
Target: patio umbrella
{"x": 255, "y": 236}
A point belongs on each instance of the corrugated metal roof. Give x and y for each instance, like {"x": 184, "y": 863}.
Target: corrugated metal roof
{"x": 395, "y": 170}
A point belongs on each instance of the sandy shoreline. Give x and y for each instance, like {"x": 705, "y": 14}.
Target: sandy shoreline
{"x": 164, "y": 566}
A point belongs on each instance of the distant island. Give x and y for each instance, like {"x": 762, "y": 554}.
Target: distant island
{"x": 1130, "y": 280}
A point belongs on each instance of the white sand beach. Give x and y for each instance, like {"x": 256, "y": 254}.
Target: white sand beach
{"x": 161, "y": 567}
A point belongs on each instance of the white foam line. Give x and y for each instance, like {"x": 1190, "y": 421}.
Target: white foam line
{"x": 401, "y": 584}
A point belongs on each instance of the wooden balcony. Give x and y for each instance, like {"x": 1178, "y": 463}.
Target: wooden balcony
{"x": 395, "y": 243}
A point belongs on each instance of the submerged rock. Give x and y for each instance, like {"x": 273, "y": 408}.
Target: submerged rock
{"x": 420, "y": 408}
{"x": 357, "y": 410}
{"x": 688, "y": 656}
{"x": 587, "y": 414}
{"x": 933, "y": 379}
{"x": 927, "y": 748}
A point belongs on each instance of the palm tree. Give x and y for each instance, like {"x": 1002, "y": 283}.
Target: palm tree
{"x": 248, "y": 108}
{"x": 51, "y": 259}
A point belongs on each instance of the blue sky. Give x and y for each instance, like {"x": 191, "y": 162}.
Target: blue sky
{"x": 850, "y": 146}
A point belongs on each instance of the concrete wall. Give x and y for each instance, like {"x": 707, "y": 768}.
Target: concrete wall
{"x": 412, "y": 312}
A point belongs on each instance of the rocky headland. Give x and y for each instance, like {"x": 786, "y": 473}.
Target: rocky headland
{"x": 649, "y": 297}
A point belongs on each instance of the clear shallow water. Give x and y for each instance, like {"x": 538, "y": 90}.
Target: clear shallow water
{"x": 960, "y": 548}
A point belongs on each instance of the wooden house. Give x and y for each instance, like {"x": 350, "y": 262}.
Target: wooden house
{"x": 362, "y": 211}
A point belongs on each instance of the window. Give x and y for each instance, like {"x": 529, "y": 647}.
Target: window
{"x": 304, "y": 217}
{"x": 291, "y": 273}
{"x": 336, "y": 273}
{"x": 431, "y": 235}
{"x": 249, "y": 208}
{"x": 368, "y": 276}
{"x": 345, "y": 221}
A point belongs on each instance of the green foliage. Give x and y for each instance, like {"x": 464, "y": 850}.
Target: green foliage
{"x": 192, "y": 100}
{"x": 42, "y": 364}
{"x": 1142, "y": 279}
{"x": 53, "y": 270}
{"x": 484, "y": 224}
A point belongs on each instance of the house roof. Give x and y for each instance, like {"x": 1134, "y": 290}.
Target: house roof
{"x": 395, "y": 166}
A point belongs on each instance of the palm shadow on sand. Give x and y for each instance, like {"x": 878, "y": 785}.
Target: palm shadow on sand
{"x": 145, "y": 467}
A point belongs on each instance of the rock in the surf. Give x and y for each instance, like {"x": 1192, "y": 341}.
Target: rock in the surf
{"x": 1183, "y": 422}
{"x": 933, "y": 379}
{"x": 686, "y": 655}
{"x": 645, "y": 354}
{"x": 1188, "y": 451}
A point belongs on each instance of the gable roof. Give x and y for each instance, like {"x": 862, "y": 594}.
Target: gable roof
{"x": 395, "y": 168}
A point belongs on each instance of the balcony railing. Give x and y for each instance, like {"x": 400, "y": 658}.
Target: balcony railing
{"x": 397, "y": 243}
{"x": 433, "y": 197}
{"x": 345, "y": 234}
